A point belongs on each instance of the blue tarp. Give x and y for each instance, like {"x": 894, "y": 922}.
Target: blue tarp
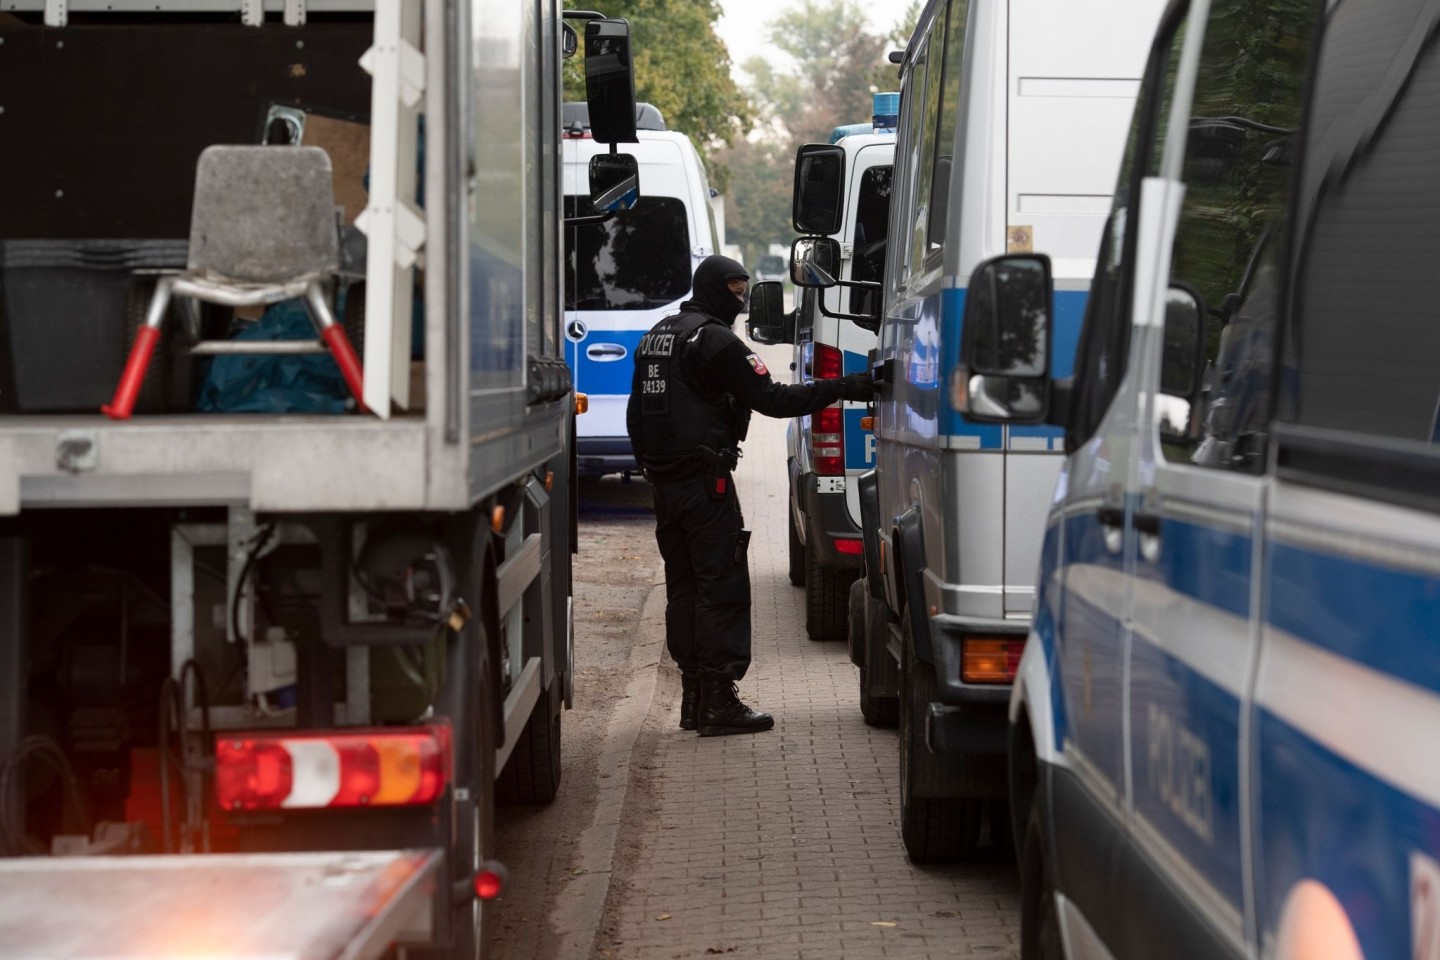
{"x": 295, "y": 383}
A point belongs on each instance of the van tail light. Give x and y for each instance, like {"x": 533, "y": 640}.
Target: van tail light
{"x": 827, "y": 427}
{"x": 849, "y": 545}
{"x": 990, "y": 659}
{"x": 299, "y": 770}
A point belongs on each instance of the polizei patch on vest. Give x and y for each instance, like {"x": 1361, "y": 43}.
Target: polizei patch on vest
{"x": 758, "y": 365}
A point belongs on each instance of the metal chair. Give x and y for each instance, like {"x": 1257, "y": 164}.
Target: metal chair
{"x": 262, "y": 231}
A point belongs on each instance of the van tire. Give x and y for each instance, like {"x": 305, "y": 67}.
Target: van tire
{"x": 934, "y": 829}
{"x": 1002, "y": 833}
{"x": 868, "y": 616}
{"x": 797, "y": 550}
{"x": 827, "y": 594}
{"x": 532, "y": 774}
{"x": 1039, "y": 918}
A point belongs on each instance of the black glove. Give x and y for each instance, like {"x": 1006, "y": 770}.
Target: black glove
{"x": 857, "y": 386}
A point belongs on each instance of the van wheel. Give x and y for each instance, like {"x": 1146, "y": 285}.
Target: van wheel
{"x": 797, "y": 553}
{"x": 827, "y": 590}
{"x": 1039, "y": 920}
{"x": 935, "y": 829}
{"x": 867, "y": 617}
{"x": 1002, "y": 833}
{"x": 532, "y": 774}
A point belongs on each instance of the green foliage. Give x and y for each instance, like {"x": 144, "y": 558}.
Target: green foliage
{"x": 681, "y": 66}
{"x": 836, "y": 66}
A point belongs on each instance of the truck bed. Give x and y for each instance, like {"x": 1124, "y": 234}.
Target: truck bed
{"x": 286, "y": 463}
{"x": 315, "y": 906}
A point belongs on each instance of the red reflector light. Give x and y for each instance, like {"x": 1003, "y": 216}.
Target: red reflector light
{"x": 489, "y": 885}
{"x": 991, "y": 659}
{"x": 829, "y": 363}
{"x": 852, "y": 547}
{"x": 827, "y": 427}
{"x": 827, "y": 441}
{"x": 358, "y": 768}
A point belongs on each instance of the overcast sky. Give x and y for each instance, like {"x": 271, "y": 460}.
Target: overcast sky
{"x": 744, "y": 25}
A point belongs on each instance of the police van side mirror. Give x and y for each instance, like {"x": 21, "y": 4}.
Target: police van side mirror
{"x": 768, "y": 321}
{"x": 1004, "y": 370}
{"x": 819, "y": 187}
{"x": 815, "y": 262}
{"x": 614, "y": 182}
{"x": 610, "y": 81}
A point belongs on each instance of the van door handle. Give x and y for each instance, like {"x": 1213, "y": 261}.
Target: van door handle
{"x": 1148, "y": 523}
{"x": 1112, "y": 527}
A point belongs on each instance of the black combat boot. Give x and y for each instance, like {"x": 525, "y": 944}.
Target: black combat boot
{"x": 722, "y": 713}
{"x": 689, "y": 701}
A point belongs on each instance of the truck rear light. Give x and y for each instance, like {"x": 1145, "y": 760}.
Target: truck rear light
{"x": 849, "y": 545}
{"x": 490, "y": 881}
{"x": 827, "y": 427}
{"x": 361, "y": 768}
{"x": 990, "y": 659}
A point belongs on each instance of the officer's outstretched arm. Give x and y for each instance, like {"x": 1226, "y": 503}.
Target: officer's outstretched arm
{"x": 744, "y": 375}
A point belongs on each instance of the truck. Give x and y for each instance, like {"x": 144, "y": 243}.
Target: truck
{"x": 1221, "y": 730}
{"x": 624, "y": 275}
{"x": 289, "y": 649}
{"x": 833, "y": 334}
{"x": 1011, "y": 128}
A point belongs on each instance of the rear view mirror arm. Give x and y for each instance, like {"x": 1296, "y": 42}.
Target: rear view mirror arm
{"x": 589, "y": 219}
{"x": 866, "y": 321}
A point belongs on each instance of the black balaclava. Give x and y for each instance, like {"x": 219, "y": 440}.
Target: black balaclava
{"x": 710, "y": 295}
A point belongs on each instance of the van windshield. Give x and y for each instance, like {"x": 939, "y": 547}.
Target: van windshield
{"x": 636, "y": 261}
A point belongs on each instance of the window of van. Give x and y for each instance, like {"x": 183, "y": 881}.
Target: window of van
{"x": 636, "y": 261}
{"x": 872, "y": 220}
{"x": 927, "y": 97}
{"x": 1366, "y": 314}
{"x": 944, "y": 161}
{"x": 1239, "y": 154}
{"x": 1104, "y": 347}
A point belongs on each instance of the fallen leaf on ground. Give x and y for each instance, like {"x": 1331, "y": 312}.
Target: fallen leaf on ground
{"x": 884, "y": 923}
{"x": 663, "y": 916}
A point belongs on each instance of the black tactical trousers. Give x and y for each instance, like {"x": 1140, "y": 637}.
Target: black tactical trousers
{"x": 707, "y": 590}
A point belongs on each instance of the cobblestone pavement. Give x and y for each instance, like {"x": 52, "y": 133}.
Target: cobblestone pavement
{"x": 784, "y": 844}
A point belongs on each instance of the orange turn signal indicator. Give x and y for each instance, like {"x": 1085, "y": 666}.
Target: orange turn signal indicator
{"x": 582, "y": 403}
{"x": 990, "y": 659}
{"x": 867, "y": 423}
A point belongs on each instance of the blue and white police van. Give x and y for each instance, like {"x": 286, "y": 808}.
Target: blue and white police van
{"x": 833, "y": 333}
{"x": 1223, "y": 731}
{"x": 626, "y": 274}
{"x": 1011, "y": 129}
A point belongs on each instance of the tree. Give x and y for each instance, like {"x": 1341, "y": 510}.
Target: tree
{"x": 835, "y": 55}
{"x": 681, "y": 66}
{"x": 838, "y": 64}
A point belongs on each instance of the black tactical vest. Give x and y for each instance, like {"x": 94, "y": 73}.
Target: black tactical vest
{"x": 676, "y": 420}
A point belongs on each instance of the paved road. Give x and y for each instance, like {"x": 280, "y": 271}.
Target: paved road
{"x": 784, "y": 844}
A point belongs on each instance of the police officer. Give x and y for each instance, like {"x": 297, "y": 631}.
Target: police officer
{"x": 695, "y": 385}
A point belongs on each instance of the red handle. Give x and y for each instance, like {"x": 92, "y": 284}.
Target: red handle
{"x": 349, "y": 364}
{"x": 120, "y": 407}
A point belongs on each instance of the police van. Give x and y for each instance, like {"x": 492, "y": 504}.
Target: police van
{"x": 625, "y": 274}
{"x": 1222, "y": 735}
{"x": 828, "y": 450}
{"x": 1011, "y": 129}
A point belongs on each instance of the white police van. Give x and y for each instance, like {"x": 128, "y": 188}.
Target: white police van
{"x": 622, "y": 276}
{"x": 1011, "y": 129}
{"x": 828, "y": 450}
{"x": 1223, "y": 729}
